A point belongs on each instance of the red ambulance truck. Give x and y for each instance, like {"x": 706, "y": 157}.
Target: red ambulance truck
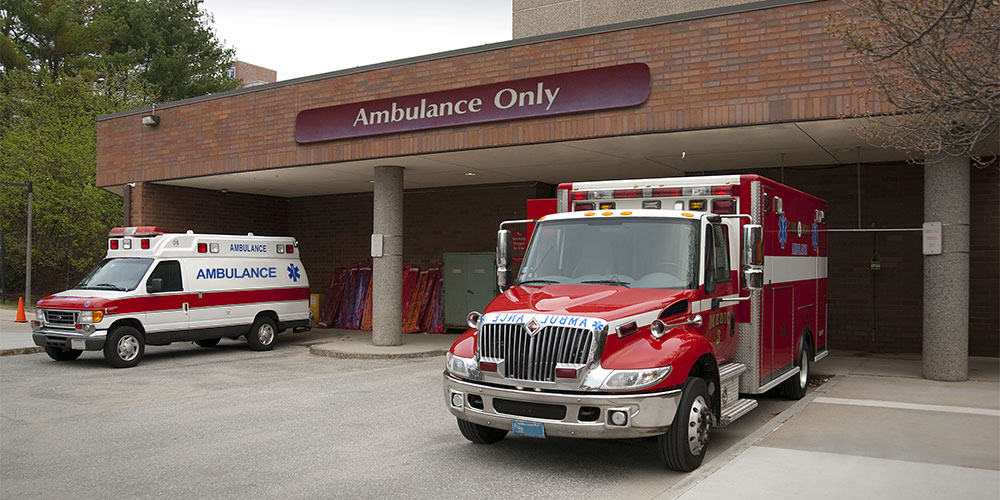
{"x": 647, "y": 307}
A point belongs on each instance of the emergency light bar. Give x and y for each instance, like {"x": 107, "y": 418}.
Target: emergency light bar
{"x": 119, "y": 232}
{"x": 663, "y": 192}
{"x": 603, "y": 199}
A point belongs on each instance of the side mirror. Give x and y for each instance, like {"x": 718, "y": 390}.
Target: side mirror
{"x": 505, "y": 247}
{"x": 154, "y": 285}
{"x": 752, "y": 256}
{"x": 753, "y": 245}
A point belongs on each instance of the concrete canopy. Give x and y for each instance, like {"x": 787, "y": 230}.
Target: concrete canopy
{"x": 825, "y": 142}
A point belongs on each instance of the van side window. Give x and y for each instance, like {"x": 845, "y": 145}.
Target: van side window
{"x": 170, "y": 272}
{"x": 720, "y": 241}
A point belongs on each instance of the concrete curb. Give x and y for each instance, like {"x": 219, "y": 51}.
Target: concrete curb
{"x": 21, "y": 350}
{"x": 332, "y": 350}
{"x": 706, "y": 470}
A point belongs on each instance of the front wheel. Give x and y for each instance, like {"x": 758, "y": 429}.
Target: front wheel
{"x": 124, "y": 347}
{"x": 683, "y": 447}
{"x": 262, "y": 333}
{"x": 61, "y": 355}
{"x": 480, "y": 433}
{"x": 795, "y": 387}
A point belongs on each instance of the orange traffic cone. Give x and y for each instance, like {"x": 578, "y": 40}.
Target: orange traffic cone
{"x": 20, "y": 311}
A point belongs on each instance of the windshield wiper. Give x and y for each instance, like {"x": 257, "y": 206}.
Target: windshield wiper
{"x": 613, "y": 281}
{"x": 109, "y": 285}
{"x": 547, "y": 282}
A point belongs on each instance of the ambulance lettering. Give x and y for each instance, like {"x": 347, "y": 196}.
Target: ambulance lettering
{"x": 220, "y": 273}
{"x": 715, "y": 321}
{"x": 248, "y": 247}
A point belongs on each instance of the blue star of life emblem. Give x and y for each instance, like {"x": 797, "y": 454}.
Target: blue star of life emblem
{"x": 293, "y": 272}
{"x": 782, "y": 230}
{"x": 815, "y": 231}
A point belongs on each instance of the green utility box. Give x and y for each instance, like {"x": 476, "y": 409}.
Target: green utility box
{"x": 470, "y": 283}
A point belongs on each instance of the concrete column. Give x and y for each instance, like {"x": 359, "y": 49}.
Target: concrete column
{"x": 946, "y": 276}
{"x": 387, "y": 270}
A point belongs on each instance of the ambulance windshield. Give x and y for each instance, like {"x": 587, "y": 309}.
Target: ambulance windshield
{"x": 116, "y": 274}
{"x": 633, "y": 252}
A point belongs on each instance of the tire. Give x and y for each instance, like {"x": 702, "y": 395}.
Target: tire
{"x": 61, "y": 355}
{"x": 795, "y": 387}
{"x": 480, "y": 433}
{"x": 262, "y": 334}
{"x": 124, "y": 347}
{"x": 207, "y": 342}
{"x": 684, "y": 445}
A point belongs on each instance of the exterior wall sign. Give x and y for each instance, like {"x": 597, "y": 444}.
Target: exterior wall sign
{"x": 589, "y": 90}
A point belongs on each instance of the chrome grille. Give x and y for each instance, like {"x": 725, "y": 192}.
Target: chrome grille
{"x": 534, "y": 357}
{"x": 60, "y": 317}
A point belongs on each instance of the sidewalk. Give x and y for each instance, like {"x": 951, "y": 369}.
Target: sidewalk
{"x": 15, "y": 338}
{"x": 876, "y": 429}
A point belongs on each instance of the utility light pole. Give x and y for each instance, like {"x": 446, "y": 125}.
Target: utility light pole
{"x": 27, "y": 255}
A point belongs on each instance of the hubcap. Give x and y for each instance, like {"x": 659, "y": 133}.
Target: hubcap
{"x": 265, "y": 334}
{"x": 804, "y": 370}
{"x": 699, "y": 421}
{"x": 128, "y": 348}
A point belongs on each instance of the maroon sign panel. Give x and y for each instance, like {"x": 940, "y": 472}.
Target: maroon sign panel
{"x": 574, "y": 92}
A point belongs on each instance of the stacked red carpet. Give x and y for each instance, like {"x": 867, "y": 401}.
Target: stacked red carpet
{"x": 348, "y": 302}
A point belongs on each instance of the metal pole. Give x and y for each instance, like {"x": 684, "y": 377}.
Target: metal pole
{"x": 3, "y": 264}
{"x": 859, "y": 186}
{"x": 782, "y": 168}
{"x": 27, "y": 257}
{"x": 127, "y": 204}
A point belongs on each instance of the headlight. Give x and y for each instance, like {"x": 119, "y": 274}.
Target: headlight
{"x": 635, "y": 379}
{"x": 40, "y": 315}
{"x": 462, "y": 367}
{"x": 90, "y": 316}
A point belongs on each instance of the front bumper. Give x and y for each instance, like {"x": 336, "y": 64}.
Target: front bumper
{"x": 649, "y": 414}
{"x": 69, "y": 339}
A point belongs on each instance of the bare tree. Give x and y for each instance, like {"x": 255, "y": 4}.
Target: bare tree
{"x": 937, "y": 64}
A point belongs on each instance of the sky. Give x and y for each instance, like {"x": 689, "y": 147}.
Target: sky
{"x": 307, "y": 37}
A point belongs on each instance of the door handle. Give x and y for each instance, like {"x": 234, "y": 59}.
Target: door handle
{"x": 185, "y": 306}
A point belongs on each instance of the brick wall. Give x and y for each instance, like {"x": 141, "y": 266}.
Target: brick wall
{"x": 335, "y": 231}
{"x": 984, "y": 262}
{"x": 747, "y": 68}
{"x": 540, "y": 17}
{"x": 251, "y": 74}
{"x": 872, "y": 312}
{"x": 881, "y": 311}
{"x": 177, "y": 209}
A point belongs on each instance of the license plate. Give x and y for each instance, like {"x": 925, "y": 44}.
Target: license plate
{"x": 78, "y": 344}
{"x": 530, "y": 429}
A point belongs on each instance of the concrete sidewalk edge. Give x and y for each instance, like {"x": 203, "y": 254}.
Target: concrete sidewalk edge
{"x": 694, "y": 477}
{"x": 332, "y": 350}
{"x": 21, "y": 350}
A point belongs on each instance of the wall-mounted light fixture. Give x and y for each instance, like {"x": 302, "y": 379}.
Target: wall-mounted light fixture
{"x": 151, "y": 120}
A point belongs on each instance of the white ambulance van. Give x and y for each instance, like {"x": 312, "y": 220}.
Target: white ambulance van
{"x": 155, "y": 288}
